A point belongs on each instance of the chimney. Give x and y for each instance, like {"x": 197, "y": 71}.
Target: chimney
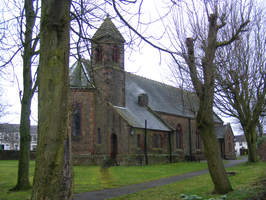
{"x": 143, "y": 100}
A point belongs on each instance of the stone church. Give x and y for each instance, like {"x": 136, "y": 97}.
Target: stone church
{"x": 129, "y": 119}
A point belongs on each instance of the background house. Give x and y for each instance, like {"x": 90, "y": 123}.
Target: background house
{"x": 240, "y": 142}
{"x": 10, "y": 137}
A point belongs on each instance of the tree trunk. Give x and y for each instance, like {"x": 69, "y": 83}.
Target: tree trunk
{"x": 23, "y": 182}
{"x": 213, "y": 154}
{"x": 53, "y": 177}
{"x": 204, "y": 118}
{"x": 251, "y": 137}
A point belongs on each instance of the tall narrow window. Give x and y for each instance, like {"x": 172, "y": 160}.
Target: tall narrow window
{"x": 99, "y": 136}
{"x": 116, "y": 53}
{"x": 154, "y": 141}
{"x": 76, "y": 120}
{"x": 16, "y": 136}
{"x": 198, "y": 140}
{"x": 159, "y": 141}
{"x": 138, "y": 140}
{"x": 230, "y": 147}
{"x": 178, "y": 133}
{"x": 229, "y": 144}
{"x": 98, "y": 54}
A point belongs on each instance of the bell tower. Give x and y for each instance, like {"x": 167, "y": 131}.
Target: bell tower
{"x": 107, "y": 55}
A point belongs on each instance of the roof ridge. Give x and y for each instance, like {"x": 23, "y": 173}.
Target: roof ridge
{"x": 132, "y": 73}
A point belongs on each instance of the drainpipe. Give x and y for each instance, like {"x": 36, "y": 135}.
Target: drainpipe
{"x": 145, "y": 143}
{"x": 169, "y": 136}
{"x": 189, "y": 125}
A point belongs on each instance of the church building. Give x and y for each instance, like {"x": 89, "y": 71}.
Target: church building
{"x": 126, "y": 119}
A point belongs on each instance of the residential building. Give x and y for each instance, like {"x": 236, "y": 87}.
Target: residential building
{"x": 240, "y": 142}
{"x": 10, "y": 137}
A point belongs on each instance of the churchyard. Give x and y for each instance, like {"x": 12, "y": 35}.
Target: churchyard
{"x": 249, "y": 181}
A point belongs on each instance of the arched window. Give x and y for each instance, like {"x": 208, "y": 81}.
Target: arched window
{"x": 76, "y": 120}
{"x": 198, "y": 140}
{"x": 159, "y": 141}
{"x": 116, "y": 53}
{"x": 229, "y": 144}
{"x": 99, "y": 136}
{"x": 178, "y": 133}
{"x": 98, "y": 54}
{"x": 230, "y": 147}
{"x": 138, "y": 140}
{"x": 154, "y": 140}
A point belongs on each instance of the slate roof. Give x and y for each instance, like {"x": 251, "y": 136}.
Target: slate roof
{"x": 162, "y": 98}
{"x": 240, "y": 138}
{"x": 136, "y": 116}
{"x": 108, "y": 29}
{"x": 222, "y": 130}
{"x": 79, "y": 74}
{"x": 15, "y": 128}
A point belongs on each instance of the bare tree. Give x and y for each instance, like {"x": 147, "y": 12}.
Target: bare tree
{"x": 241, "y": 78}
{"x": 204, "y": 21}
{"x": 21, "y": 36}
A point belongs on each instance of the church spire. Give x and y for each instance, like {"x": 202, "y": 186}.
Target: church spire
{"x": 108, "y": 29}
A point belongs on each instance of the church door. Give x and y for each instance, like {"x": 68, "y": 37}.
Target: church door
{"x": 114, "y": 146}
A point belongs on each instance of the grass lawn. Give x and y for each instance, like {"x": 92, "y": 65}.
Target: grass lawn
{"x": 138, "y": 174}
{"x": 87, "y": 179}
{"x": 8, "y": 180}
{"x": 250, "y": 180}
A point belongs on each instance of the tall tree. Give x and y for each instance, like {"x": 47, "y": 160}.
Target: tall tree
{"x": 241, "y": 78}
{"x": 195, "y": 57}
{"x": 22, "y": 38}
{"x": 28, "y": 92}
{"x": 53, "y": 177}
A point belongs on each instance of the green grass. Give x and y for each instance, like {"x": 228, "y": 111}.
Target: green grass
{"x": 138, "y": 174}
{"x": 8, "y": 180}
{"x": 87, "y": 178}
{"x": 246, "y": 184}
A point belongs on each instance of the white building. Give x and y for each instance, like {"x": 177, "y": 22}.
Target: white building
{"x": 240, "y": 142}
{"x": 10, "y": 137}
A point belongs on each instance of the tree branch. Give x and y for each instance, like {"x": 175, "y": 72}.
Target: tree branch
{"x": 234, "y": 37}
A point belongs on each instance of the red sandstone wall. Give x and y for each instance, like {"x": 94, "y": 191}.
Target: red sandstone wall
{"x": 83, "y": 145}
{"x": 184, "y": 122}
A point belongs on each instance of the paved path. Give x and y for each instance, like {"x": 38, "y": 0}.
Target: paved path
{"x": 119, "y": 191}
